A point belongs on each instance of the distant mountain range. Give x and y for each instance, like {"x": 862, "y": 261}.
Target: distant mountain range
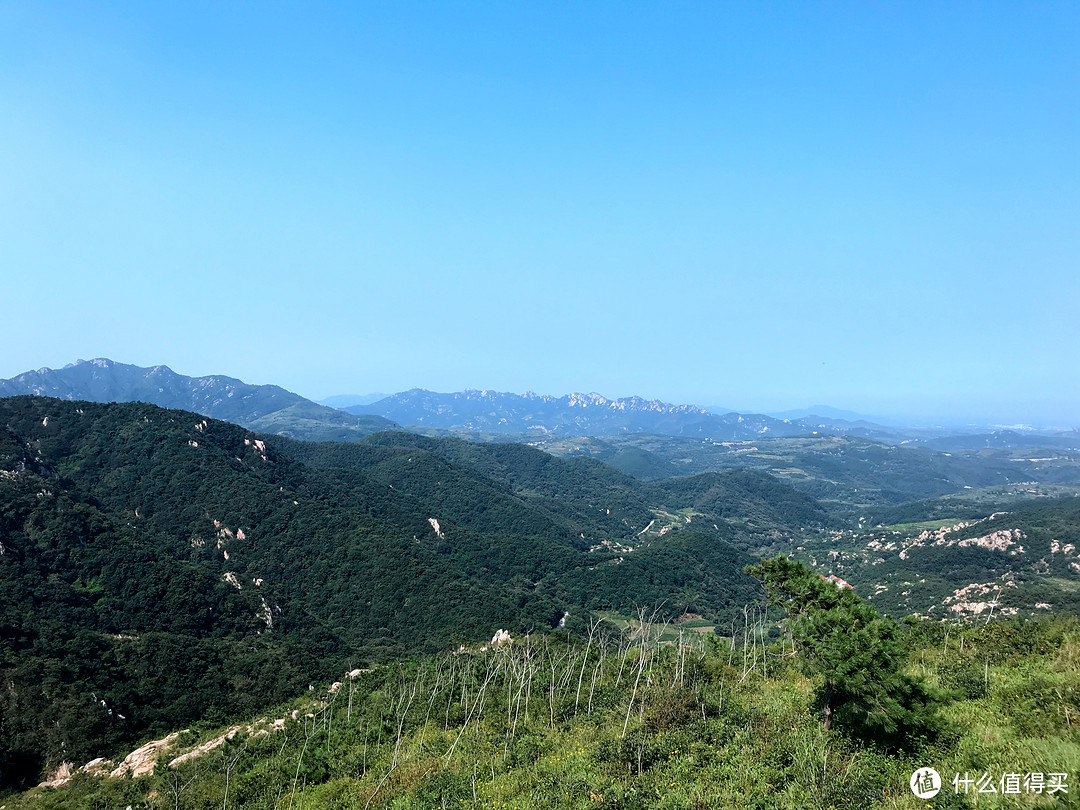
{"x": 592, "y": 415}
{"x": 476, "y": 414}
{"x": 272, "y": 409}
{"x": 265, "y": 408}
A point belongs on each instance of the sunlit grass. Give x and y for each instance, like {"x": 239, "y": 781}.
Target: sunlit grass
{"x": 710, "y": 733}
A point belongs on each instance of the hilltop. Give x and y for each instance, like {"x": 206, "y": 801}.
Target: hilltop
{"x": 267, "y": 408}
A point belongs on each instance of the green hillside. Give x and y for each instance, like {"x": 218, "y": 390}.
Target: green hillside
{"x": 961, "y": 558}
{"x": 160, "y": 567}
{"x": 624, "y": 721}
{"x": 849, "y": 474}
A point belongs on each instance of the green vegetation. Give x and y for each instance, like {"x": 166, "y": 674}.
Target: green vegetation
{"x": 1015, "y": 557}
{"x": 856, "y": 653}
{"x": 622, "y": 721}
{"x": 317, "y": 423}
{"x": 159, "y": 567}
{"x": 852, "y": 476}
{"x": 159, "y": 570}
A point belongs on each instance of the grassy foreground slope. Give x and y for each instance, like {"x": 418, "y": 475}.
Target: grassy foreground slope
{"x": 625, "y": 722}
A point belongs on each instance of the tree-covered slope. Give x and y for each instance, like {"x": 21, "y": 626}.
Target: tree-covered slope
{"x": 157, "y": 566}
{"x": 751, "y": 498}
{"x": 848, "y": 473}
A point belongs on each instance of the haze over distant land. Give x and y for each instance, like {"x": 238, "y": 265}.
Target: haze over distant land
{"x": 556, "y": 235}
{"x": 472, "y": 413}
{"x": 346, "y": 400}
{"x": 824, "y": 410}
{"x": 273, "y": 409}
{"x": 758, "y": 206}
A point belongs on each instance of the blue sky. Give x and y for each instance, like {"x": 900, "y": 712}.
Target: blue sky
{"x": 758, "y": 205}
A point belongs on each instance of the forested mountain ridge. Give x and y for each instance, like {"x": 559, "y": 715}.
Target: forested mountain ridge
{"x": 267, "y": 408}
{"x": 737, "y": 504}
{"x": 180, "y": 567}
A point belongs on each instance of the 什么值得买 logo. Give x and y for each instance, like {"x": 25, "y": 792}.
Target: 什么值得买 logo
{"x": 925, "y": 783}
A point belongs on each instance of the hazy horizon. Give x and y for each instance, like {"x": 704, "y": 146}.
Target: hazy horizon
{"x": 896, "y": 418}
{"x": 760, "y": 207}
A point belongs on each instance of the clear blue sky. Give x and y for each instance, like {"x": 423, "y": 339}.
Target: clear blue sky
{"x": 760, "y": 205}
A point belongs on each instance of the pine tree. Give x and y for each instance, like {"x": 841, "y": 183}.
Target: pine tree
{"x": 856, "y": 655}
